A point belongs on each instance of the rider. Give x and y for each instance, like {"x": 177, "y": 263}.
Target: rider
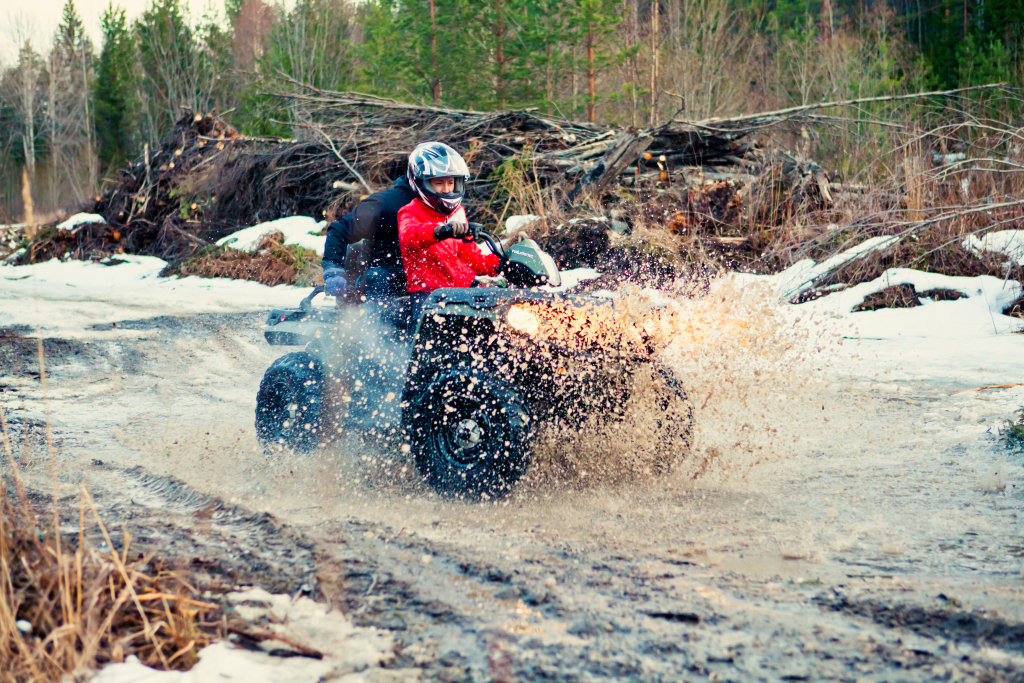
{"x": 431, "y": 227}
{"x": 376, "y": 218}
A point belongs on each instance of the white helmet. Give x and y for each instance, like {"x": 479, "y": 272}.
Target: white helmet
{"x": 438, "y": 160}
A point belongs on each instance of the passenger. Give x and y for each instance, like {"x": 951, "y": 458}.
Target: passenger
{"x": 375, "y": 218}
{"x": 431, "y": 227}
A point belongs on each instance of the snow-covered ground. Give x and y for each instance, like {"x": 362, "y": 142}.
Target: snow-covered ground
{"x": 967, "y": 340}
{"x": 1007, "y": 242}
{"x": 69, "y": 299}
{"x": 346, "y": 650}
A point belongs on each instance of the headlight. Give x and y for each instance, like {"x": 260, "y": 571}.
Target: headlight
{"x": 523, "y": 320}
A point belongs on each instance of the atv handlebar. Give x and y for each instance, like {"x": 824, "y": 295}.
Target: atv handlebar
{"x": 477, "y": 233}
{"x": 306, "y": 305}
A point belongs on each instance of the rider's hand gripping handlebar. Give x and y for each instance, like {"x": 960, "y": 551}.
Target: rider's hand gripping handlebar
{"x": 478, "y": 233}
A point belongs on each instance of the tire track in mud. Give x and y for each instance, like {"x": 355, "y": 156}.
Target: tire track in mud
{"x": 552, "y": 610}
{"x": 462, "y": 614}
{"x": 229, "y": 544}
{"x": 570, "y": 616}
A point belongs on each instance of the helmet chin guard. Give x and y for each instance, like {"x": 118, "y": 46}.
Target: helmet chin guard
{"x": 438, "y": 160}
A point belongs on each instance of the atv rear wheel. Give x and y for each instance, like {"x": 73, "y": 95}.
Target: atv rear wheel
{"x": 288, "y": 405}
{"x": 470, "y": 436}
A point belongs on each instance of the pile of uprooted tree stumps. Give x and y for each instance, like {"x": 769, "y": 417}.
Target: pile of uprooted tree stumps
{"x": 206, "y": 180}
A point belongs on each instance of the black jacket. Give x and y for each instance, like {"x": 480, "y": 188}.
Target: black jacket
{"x": 375, "y": 217}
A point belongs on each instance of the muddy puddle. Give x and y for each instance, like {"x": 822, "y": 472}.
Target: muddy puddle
{"x": 818, "y": 501}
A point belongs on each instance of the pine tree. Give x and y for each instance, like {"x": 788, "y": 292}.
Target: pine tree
{"x": 423, "y": 50}
{"x": 115, "y": 104}
{"x": 596, "y": 19}
{"x": 70, "y": 134}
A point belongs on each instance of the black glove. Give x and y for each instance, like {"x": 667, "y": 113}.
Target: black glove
{"x": 449, "y": 230}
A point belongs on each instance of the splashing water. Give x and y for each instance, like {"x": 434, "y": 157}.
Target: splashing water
{"x": 745, "y": 368}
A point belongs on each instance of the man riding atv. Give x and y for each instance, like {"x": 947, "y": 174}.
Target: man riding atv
{"x": 432, "y": 227}
{"x": 464, "y": 373}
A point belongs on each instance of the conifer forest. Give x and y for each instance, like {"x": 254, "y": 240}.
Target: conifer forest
{"x": 73, "y": 111}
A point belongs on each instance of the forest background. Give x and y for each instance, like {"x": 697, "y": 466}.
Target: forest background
{"x": 71, "y": 112}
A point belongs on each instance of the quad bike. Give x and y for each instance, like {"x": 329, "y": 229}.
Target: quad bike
{"x": 467, "y": 382}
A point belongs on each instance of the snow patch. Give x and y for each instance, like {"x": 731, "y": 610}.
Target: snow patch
{"x": 990, "y": 293}
{"x": 513, "y": 223}
{"x": 81, "y": 295}
{"x": 802, "y": 274}
{"x": 296, "y": 230}
{"x": 346, "y": 648}
{"x": 81, "y": 219}
{"x": 1007, "y": 242}
{"x": 572, "y": 277}
{"x": 978, "y": 314}
{"x": 969, "y": 339}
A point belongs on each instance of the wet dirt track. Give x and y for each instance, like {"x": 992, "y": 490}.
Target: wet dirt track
{"x": 858, "y": 555}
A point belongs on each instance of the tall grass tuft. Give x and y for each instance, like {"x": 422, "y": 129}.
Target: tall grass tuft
{"x": 70, "y": 603}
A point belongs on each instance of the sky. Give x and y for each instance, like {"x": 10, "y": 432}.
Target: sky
{"x": 44, "y": 15}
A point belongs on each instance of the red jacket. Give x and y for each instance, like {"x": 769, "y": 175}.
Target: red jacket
{"x": 430, "y": 264}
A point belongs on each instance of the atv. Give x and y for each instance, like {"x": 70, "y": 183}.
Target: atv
{"x": 467, "y": 383}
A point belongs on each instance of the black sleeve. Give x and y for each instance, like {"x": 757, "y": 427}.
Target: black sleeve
{"x": 360, "y": 223}
{"x": 338, "y": 240}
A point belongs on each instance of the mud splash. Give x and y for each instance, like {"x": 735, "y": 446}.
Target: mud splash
{"x": 754, "y": 381}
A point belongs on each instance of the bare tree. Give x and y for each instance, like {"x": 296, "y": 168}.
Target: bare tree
{"x": 709, "y": 68}
{"x": 25, "y": 100}
{"x": 655, "y": 39}
{"x": 179, "y": 67}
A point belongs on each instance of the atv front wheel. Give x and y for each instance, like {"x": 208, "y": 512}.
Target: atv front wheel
{"x": 288, "y": 405}
{"x": 470, "y": 436}
{"x": 673, "y": 421}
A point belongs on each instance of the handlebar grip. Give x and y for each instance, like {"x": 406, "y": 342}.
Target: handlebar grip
{"x": 474, "y": 232}
{"x": 306, "y": 305}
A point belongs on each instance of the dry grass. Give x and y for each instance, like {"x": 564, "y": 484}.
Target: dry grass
{"x": 273, "y": 263}
{"x": 951, "y": 170}
{"x": 1016, "y": 309}
{"x": 520, "y": 191}
{"x": 1015, "y": 431}
{"x": 897, "y": 296}
{"x": 68, "y": 607}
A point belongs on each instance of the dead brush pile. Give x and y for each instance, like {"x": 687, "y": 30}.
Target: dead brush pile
{"x": 272, "y": 263}
{"x": 67, "y": 608}
{"x": 953, "y": 179}
{"x": 739, "y": 193}
{"x": 205, "y": 180}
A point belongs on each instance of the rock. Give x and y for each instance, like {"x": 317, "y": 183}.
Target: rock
{"x": 513, "y": 223}
{"x": 30, "y": 419}
{"x": 587, "y": 625}
{"x": 510, "y": 593}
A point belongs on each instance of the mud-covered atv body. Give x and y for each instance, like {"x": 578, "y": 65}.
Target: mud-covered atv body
{"x": 469, "y": 383}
